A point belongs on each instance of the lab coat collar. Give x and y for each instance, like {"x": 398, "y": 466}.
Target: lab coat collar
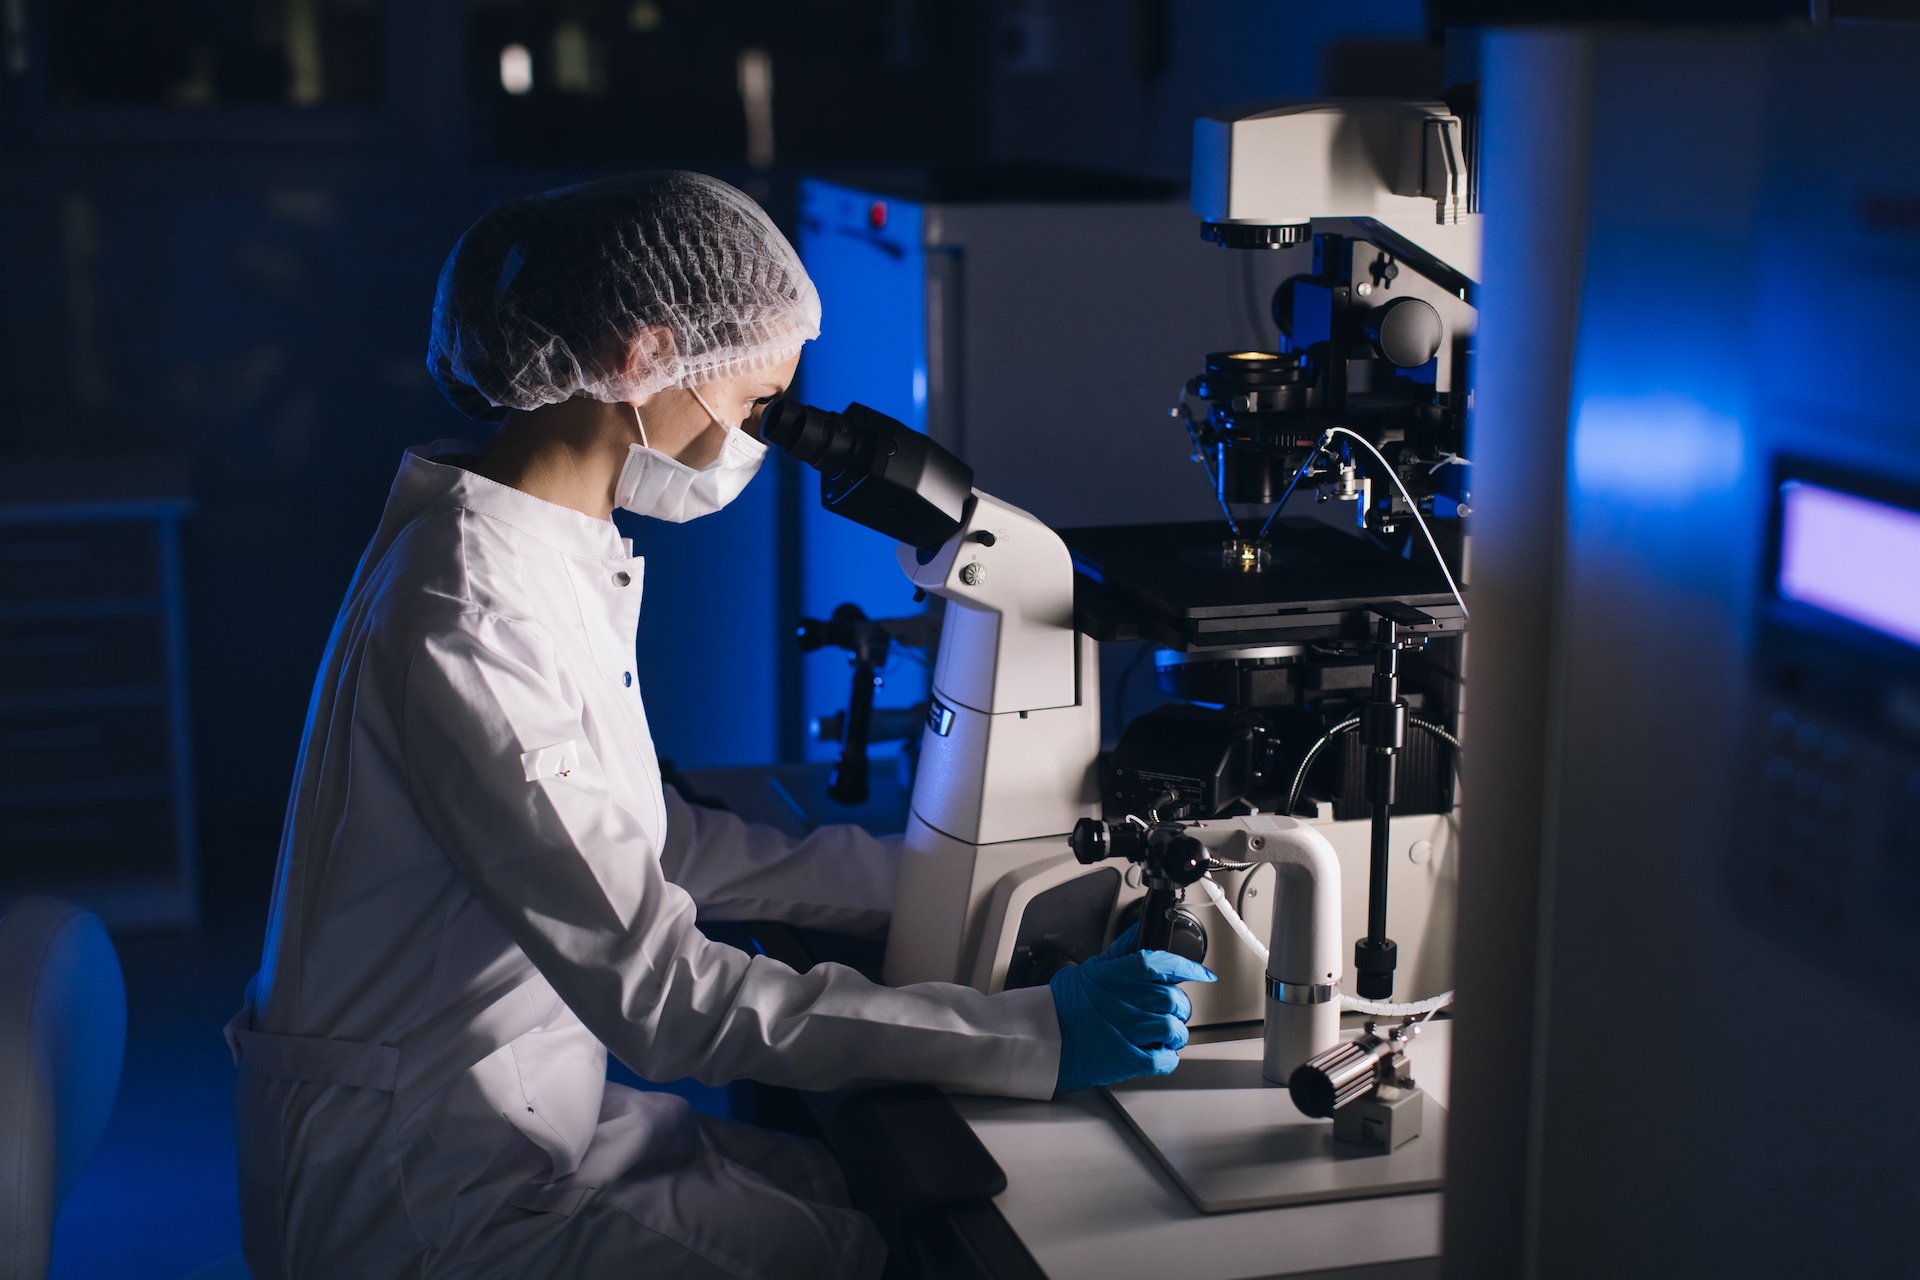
{"x": 438, "y": 484}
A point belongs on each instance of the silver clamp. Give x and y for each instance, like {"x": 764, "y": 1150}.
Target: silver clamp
{"x": 1301, "y": 992}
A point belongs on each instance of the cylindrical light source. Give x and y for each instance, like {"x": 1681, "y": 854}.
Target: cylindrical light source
{"x": 1345, "y": 1073}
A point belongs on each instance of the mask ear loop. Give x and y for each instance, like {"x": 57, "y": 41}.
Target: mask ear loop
{"x": 639, "y": 424}
{"x": 695, "y": 393}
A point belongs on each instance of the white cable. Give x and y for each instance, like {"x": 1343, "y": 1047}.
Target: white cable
{"x": 1411, "y": 506}
{"x": 1354, "y": 1003}
{"x": 1385, "y": 1010}
{"x": 1232, "y": 917}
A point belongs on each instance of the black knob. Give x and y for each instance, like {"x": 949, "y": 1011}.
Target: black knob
{"x": 1089, "y": 841}
{"x": 1189, "y": 937}
{"x": 1046, "y": 962}
{"x": 1373, "y": 962}
{"x": 1406, "y": 332}
{"x": 1182, "y": 860}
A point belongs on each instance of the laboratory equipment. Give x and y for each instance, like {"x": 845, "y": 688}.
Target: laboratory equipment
{"x": 1231, "y": 1141}
{"x": 1365, "y": 1086}
{"x": 1302, "y": 1010}
{"x": 1311, "y": 632}
{"x": 987, "y": 890}
{"x": 1695, "y": 771}
{"x": 951, "y": 290}
{"x": 1007, "y": 761}
{"x": 1365, "y": 402}
{"x": 868, "y": 641}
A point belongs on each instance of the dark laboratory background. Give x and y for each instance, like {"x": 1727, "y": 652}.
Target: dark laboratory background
{"x": 221, "y": 222}
{"x": 220, "y": 226}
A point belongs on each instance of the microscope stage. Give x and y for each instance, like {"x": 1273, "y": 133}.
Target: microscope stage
{"x": 1165, "y": 583}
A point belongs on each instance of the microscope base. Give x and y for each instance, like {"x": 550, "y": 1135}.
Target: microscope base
{"x": 1233, "y": 1141}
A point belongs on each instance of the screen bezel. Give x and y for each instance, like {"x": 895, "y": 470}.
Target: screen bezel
{"x": 1811, "y": 619}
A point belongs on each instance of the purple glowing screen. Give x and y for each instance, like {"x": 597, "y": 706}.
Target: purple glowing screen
{"x": 1852, "y": 557}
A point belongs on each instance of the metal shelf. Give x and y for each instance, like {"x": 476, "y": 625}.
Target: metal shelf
{"x": 122, "y": 843}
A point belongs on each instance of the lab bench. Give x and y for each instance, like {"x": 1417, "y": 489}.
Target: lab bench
{"x": 1088, "y": 1200}
{"x": 976, "y": 1188}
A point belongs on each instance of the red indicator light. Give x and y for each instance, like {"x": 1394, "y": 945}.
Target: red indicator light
{"x": 877, "y": 214}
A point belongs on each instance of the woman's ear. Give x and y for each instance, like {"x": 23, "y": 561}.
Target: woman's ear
{"x": 650, "y": 348}
{"x": 655, "y": 343}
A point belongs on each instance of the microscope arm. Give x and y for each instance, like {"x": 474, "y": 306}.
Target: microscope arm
{"x": 1009, "y": 646}
{"x": 1304, "y": 949}
{"x": 1008, "y": 757}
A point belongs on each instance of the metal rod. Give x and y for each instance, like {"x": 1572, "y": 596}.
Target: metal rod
{"x": 1291, "y": 485}
{"x": 848, "y": 785}
{"x": 1382, "y": 733}
{"x": 1377, "y": 870}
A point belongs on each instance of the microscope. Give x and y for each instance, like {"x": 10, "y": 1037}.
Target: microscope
{"x": 1284, "y": 633}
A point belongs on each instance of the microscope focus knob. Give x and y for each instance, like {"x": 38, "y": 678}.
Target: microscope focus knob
{"x": 1089, "y": 841}
{"x": 1182, "y": 860}
{"x": 1093, "y": 840}
{"x": 1189, "y": 937}
{"x": 1407, "y": 332}
{"x": 1045, "y": 964}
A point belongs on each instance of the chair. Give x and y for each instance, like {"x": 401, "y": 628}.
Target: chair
{"x": 63, "y": 1031}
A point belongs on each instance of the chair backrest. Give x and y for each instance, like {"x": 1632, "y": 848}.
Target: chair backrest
{"x": 63, "y": 1030}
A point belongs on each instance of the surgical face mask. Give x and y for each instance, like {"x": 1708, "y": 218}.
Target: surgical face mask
{"x": 652, "y": 484}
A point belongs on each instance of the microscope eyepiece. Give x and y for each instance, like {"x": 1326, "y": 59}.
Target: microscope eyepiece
{"x": 875, "y": 470}
{"x": 820, "y": 439}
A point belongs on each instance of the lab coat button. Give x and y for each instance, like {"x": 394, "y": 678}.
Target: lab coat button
{"x": 626, "y": 678}
{"x": 623, "y": 577}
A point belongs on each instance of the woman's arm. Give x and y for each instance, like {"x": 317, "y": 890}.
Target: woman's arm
{"x": 837, "y": 877}
{"x": 574, "y": 876}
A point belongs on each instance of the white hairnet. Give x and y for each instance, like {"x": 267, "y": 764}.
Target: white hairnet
{"x": 548, "y": 297}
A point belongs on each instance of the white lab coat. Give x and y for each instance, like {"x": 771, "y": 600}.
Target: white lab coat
{"x": 482, "y": 882}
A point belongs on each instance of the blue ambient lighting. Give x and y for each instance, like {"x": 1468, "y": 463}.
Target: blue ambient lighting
{"x": 1659, "y": 451}
{"x": 872, "y": 349}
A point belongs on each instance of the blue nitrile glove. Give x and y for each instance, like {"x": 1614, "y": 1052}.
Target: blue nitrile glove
{"x": 1113, "y": 1006}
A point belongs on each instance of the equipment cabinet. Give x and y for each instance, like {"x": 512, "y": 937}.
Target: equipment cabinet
{"x": 96, "y": 778}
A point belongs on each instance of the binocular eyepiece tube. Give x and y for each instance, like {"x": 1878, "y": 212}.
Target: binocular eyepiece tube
{"x": 875, "y": 470}
{"x": 824, "y": 441}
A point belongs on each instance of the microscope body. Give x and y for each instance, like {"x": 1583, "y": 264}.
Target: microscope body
{"x": 1008, "y": 756}
{"x": 989, "y": 893}
{"x": 1370, "y": 204}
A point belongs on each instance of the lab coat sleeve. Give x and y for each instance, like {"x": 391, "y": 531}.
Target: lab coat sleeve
{"x": 562, "y": 859}
{"x": 838, "y": 877}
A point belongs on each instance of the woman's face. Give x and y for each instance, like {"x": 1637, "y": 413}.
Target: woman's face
{"x": 679, "y": 427}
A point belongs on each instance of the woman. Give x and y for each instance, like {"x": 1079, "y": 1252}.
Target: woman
{"x": 483, "y": 886}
